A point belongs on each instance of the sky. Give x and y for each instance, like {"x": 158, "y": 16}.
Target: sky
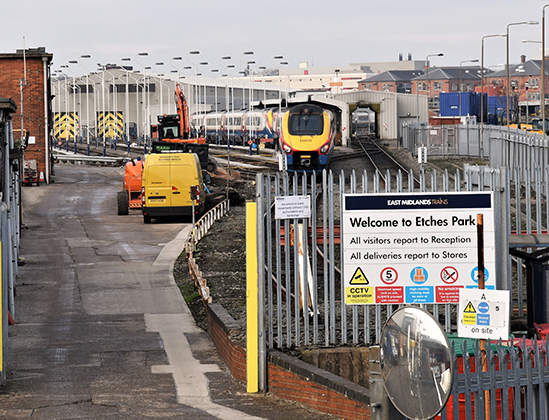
{"x": 322, "y": 33}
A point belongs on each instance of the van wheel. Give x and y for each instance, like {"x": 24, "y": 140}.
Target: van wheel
{"x": 123, "y": 203}
{"x": 212, "y": 164}
{"x": 146, "y": 219}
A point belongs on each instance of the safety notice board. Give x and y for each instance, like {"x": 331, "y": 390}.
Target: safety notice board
{"x": 414, "y": 248}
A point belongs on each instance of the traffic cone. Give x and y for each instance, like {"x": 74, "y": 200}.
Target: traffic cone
{"x": 41, "y": 178}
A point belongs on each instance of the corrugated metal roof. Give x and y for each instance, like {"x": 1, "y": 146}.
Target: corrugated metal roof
{"x": 393, "y": 76}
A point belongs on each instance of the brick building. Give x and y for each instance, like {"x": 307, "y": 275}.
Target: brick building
{"x": 35, "y": 89}
{"x": 399, "y": 81}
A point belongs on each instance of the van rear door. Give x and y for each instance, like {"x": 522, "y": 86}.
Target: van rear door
{"x": 159, "y": 192}
{"x": 182, "y": 176}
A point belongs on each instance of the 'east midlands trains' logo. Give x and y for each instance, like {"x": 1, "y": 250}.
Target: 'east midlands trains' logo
{"x": 419, "y": 202}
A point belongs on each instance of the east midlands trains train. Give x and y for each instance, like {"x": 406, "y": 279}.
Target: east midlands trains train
{"x": 304, "y": 134}
{"x": 307, "y": 137}
{"x": 238, "y": 127}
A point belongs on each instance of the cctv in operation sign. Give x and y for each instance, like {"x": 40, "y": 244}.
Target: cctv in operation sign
{"x": 414, "y": 248}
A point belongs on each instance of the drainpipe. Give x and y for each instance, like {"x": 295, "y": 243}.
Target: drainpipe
{"x": 46, "y": 73}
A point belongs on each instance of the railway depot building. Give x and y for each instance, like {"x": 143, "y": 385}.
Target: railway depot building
{"x": 31, "y": 93}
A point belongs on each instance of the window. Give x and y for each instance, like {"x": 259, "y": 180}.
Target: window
{"x": 306, "y": 123}
{"x": 454, "y": 86}
{"x": 437, "y": 85}
{"x": 368, "y": 87}
{"x": 470, "y": 86}
{"x": 386, "y": 87}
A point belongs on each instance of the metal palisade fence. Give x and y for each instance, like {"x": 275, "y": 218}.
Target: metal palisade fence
{"x": 511, "y": 148}
{"x": 302, "y": 293}
{"x": 304, "y": 302}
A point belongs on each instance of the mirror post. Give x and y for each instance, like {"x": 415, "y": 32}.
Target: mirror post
{"x": 381, "y": 407}
{"x": 480, "y": 265}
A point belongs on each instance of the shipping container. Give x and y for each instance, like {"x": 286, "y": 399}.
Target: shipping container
{"x": 450, "y": 104}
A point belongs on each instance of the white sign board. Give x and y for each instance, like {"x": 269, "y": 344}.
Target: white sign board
{"x": 293, "y": 207}
{"x": 32, "y": 140}
{"x": 414, "y": 248}
{"x": 483, "y": 314}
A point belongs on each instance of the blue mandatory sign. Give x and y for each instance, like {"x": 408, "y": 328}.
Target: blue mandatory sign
{"x": 483, "y": 307}
{"x": 474, "y": 274}
{"x": 483, "y": 320}
{"x": 419, "y": 275}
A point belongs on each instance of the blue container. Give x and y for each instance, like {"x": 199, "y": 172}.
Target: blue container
{"x": 450, "y": 106}
{"x": 497, "y": 105}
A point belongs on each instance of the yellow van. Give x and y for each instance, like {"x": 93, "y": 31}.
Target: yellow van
{"x": 166, "y": 185}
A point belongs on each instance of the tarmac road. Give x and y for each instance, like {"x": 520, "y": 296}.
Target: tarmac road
{"x": 101, "y": 328}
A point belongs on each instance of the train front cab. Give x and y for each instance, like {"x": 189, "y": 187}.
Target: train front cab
{"x": 307, "y": 138}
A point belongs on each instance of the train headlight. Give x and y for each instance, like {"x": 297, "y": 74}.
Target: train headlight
{"x": 325, "y": 148}
{"x": 287, "y": 149}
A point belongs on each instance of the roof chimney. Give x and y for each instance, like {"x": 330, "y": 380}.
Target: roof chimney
{"x": 523, "y": 58}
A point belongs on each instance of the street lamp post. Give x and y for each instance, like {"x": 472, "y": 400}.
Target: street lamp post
{"x": 507, "y": 68}
{"x": 460, "y": 88}
{"x": 230, "y": 119}
{"x": 87, "y": 101}
{"x": 482, "y": 74}
{"x": 195, "y": 71}
{"x": 227, "y": 96}
{"x": 159, "y": 77}
{"x": 127, "y": 110}
{"x": 144, "y": 107}
{"x": 263, "y": 78}
{"x": 245, "y": 69}
{"x": 217, "y": 120}
{"x": 427, "y": 77}
{"x": 204, "y": 63}
{"x": 73, "y": 101}
{"x": 542, "y": 91}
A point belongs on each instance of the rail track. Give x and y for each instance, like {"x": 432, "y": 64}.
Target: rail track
{"x": 374, "y": 159}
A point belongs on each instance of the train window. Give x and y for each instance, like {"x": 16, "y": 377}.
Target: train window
{"x": 303, "y": 124}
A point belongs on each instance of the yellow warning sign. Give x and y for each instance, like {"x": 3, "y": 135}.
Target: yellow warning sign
{"x": 359, "y": 295}
{"x": 359, "y": 278}
{"x": 470, "y": 309}
{"x": 469, "y": 319}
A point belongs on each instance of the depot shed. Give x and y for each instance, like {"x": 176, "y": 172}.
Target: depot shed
{"x": 392, "y": 109}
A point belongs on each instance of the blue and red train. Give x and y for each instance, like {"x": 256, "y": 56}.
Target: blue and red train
{"x": 304, "y": 134}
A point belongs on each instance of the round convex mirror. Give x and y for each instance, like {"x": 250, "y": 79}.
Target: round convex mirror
{"x": 416, "y": 363}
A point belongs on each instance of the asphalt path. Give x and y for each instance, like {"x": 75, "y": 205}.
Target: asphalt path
{"x": 101, "y": 328}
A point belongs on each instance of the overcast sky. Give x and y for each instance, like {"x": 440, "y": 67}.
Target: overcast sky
{"x": 322, "y": 33}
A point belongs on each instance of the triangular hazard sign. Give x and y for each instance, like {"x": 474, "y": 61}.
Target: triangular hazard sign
{"x": 470, "y": 309}
{"x": 359, "y": 277}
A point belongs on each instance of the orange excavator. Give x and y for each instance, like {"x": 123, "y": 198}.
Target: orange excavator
{"x": 171, "y": 132}
{"x": 176, "y": 128}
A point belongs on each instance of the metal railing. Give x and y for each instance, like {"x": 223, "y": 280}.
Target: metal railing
{"x": 504, "y": 148}
{"x": 202, "y": 226}
{"x": 509, "y": 381}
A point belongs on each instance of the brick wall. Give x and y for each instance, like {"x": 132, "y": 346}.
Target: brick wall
{"x": 11, "y": 70}
{"x": 289, "y": 378}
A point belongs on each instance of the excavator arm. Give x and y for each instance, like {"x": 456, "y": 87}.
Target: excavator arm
{"x": 183, "y": 111}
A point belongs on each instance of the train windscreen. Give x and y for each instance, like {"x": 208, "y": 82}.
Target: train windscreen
{"x": 306, "y": 123}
